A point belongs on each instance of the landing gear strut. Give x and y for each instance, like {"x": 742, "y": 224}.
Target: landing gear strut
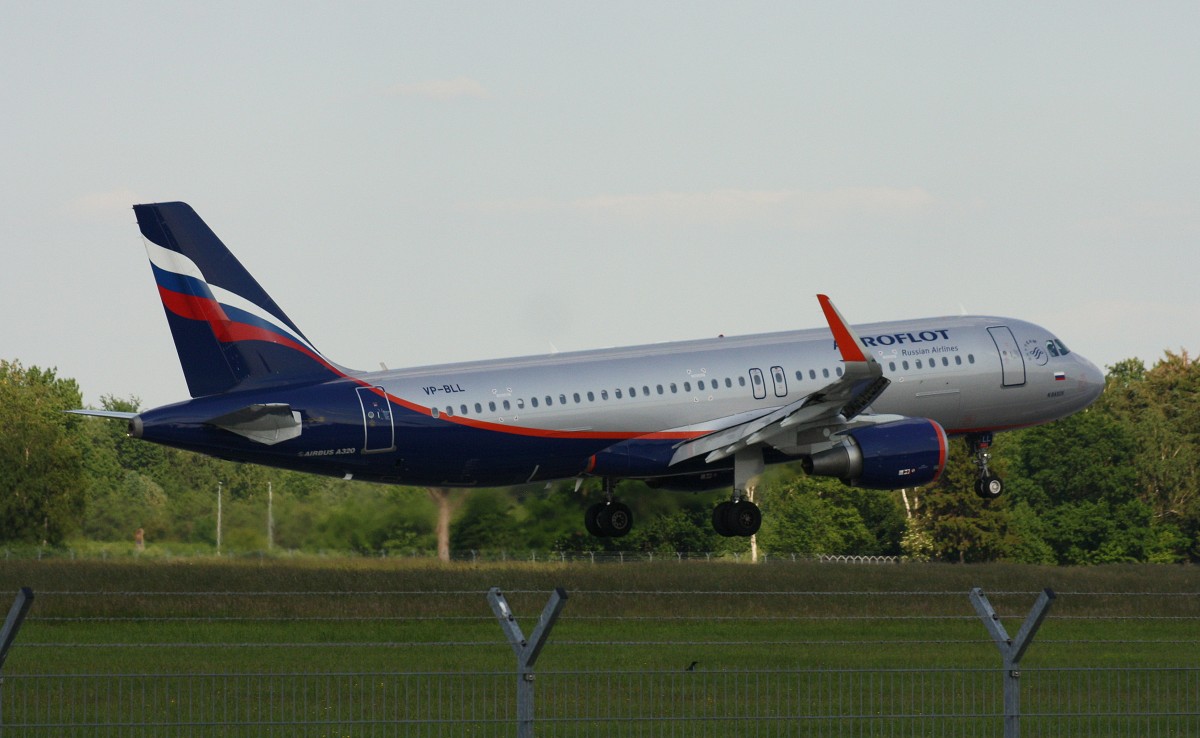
{"x": 988, "y": 486}
{"x": 608, "y": 519}
{"x": 739, "y": 516}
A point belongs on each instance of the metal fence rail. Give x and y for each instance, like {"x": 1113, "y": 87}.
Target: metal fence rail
{"x": 809, "y": 702}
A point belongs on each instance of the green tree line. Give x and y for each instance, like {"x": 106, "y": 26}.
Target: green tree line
{"x": 1115, "y": 483}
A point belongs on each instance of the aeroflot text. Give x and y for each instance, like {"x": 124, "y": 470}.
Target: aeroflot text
{"x": 899, "y": 339}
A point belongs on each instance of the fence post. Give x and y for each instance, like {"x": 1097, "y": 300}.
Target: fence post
{"x": 12, "y": 624}
{"x": 527, "y": 650}
{"x": 1012, "y": 649}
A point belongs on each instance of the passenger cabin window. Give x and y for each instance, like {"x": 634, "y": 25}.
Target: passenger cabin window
{"x": 687, "y": 386}
{"x": 741, "y": 381}
{"x": 591, "y": 397}
{"x": 492, "y": 406}
{"x": 478, "y": 408}
{"x": 659, "y": 387}
{"x": 463, "y": 408}
{"x": 838, "y": 371}
{"x": 549, "y": 400}
{"x": 533, "y": 401}
{"x": 812, "y": 373}
{"x": 562, "y": 399}
{"x": 617, "y": 393}
{"x": 632, "y": 392}
{"x": 728, "y": 383}
{"x": 507, "y": 406}
{"x": 825, "y": 373}
{"x": 970, "y": 358}
{"x": 674, "y": 388}
{"x": 646, "y": 390}
{"x": 603, "y": 394}
{"x": 576, "y": 398}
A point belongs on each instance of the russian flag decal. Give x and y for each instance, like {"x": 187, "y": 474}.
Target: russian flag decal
{"x": 1060, "y": 376}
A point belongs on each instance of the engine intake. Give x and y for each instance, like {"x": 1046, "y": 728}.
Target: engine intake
{"x": 903, "y": 453}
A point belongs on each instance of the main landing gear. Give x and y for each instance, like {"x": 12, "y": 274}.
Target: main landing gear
{"x": 608, "y": 519}
{"x": 988, "y": 486}
{"x": 739, "y": 516}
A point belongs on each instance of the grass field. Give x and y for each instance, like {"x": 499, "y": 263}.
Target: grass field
{"x": 208, "y": 615}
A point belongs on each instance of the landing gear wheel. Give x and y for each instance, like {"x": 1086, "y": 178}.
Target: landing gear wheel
{"x": 989, "y": 487}
{"x": 615, "y": 519}
{"x": 591, "y": 520}
{"x": 720, "y": 513}
{"x": 741, "y": 518}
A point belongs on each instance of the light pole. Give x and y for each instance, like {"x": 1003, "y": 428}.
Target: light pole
{"x": 219, "y": 485}
{"x": 270, "y": 518}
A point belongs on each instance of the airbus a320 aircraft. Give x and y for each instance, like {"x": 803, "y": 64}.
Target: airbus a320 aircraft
{"x": 872, "y": 405}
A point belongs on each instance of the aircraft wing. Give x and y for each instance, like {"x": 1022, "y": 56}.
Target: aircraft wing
{"x": 839, "y": 404}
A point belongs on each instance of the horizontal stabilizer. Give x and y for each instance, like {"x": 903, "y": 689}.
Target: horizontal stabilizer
{"x": 268, "y": 424}
{"x": 110, "y": 414}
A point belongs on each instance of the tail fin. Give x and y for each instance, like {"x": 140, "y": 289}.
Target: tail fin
{"x": 228, "y": 331}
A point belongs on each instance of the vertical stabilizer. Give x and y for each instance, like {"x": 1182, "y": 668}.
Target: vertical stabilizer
{"x": 228, "y": 331}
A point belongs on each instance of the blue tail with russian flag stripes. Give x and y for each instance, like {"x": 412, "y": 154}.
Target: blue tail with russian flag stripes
{"x": 228, "y": 331}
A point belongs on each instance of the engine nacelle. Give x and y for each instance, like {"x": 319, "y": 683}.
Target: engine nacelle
{"x": 904, "y": 453}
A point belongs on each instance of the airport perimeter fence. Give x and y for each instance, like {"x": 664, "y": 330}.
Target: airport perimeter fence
{"x": 757, "y": 664}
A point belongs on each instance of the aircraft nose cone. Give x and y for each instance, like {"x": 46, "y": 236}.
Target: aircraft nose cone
{"x": 1092, "y": 380}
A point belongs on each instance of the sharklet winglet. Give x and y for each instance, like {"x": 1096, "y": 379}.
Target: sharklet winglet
{"x": 848, "y": 342}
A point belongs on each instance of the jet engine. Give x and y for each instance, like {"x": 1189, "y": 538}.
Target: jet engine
{"x": 903, "y": 453}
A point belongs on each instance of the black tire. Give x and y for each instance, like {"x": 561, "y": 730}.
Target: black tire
{"x": 989, "y": 487}
{"x": 615, "y": 520}
{"x": 743, "y": 519}
{"x": 718, "y": 519}
{"x": 591, "y": 522}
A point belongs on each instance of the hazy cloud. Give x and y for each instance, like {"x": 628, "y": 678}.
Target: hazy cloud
{"x": 800, "y": 208}
{"x": 442, "y": 89}
{"x": 98, "y": 206}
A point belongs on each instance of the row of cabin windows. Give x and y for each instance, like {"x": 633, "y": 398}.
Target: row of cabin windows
{"x": 931, "y": 363}
{"x": 701, "y": 385}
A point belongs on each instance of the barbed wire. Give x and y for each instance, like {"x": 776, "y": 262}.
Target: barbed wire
{"x": 589, "y": 643}
{"x": 606, "y": 592}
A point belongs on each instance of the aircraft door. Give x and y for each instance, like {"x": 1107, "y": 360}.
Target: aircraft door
{"x": 1012, "y": 364}
{"x": 378, "y": 432}
{"x": 759, "y": 386}
{"x": 780, "y": 381}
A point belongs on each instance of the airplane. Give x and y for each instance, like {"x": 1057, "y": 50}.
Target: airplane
{"x": 872, "y": 405}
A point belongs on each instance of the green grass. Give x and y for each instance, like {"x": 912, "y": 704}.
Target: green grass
{"x": 425, "y": 616}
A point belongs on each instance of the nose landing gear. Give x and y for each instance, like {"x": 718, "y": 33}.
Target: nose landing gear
{"x": 988, "y": 486}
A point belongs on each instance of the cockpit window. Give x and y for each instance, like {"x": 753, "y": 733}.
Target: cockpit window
{"x": 1051, "y": 348}
{"x": 1062, "y": 347}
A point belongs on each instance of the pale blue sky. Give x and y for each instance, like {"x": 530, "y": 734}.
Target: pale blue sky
{"x": 419, "y": 183}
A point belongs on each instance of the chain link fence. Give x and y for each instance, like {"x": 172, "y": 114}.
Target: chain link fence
{"x": 602, "y": 671}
